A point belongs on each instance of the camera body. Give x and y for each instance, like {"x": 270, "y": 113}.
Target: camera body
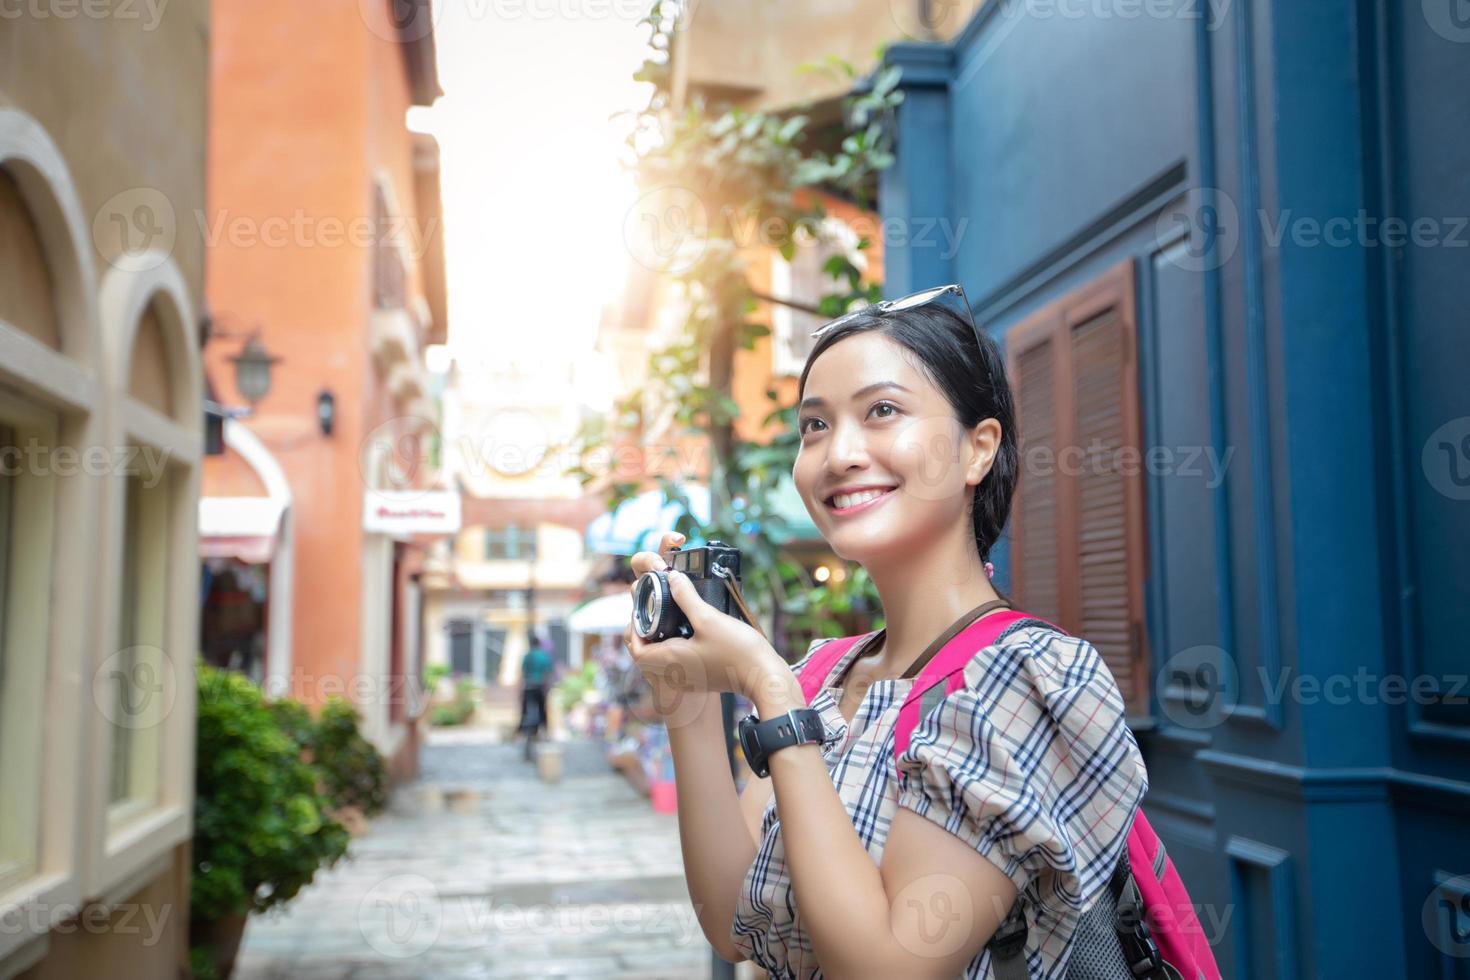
{"x": 655, "y": 614}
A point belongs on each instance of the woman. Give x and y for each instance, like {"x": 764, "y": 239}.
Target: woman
{"x": 1018, "y": 787}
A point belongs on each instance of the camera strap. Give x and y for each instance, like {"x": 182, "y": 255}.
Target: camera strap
{"x": 739, "y": 601}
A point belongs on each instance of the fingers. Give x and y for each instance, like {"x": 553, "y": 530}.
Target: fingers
{"x": 645, "y": 561}
{"x": 669, "y": 660}
{"x": 689, "y": 601}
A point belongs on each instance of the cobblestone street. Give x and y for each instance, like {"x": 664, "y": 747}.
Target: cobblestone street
{"x": 481, "y": 870}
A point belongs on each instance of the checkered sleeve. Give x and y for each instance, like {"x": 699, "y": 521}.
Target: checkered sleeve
{"x": 1031, "y": 764}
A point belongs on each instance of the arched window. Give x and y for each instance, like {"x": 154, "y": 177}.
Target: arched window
{"x": 143, "y": 680}
{"x": 52, "y": 420}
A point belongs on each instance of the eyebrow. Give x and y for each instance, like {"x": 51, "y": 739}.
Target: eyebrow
{"x": 814, "y": 401}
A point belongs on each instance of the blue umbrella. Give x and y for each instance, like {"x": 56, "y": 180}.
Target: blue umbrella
{"x": 638, "y": 522}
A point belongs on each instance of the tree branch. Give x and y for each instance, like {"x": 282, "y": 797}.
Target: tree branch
{"x": 789, "y": 303}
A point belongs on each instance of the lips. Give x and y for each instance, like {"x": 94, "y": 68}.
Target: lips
{"x": 857, "y": 499}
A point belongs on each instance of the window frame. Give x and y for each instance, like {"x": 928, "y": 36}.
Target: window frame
{"x": 25, "y": 617}
{"x": 127, "y": 846}
{"x": 64, "y": 381}
{"x": 522, "y": 536}
{"x": 147, "y": 622}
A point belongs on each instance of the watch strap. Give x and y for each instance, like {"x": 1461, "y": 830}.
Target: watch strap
{"x": 799, "y": 726}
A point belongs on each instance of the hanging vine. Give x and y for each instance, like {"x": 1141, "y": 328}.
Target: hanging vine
{"x": 718, "y": 175}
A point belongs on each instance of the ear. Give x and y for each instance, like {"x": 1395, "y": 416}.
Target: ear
{"x": 984, "y": 442}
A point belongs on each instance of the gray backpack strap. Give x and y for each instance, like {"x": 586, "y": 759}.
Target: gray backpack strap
{"x": 930, "y": 699}
{"x": 1134, "y": 936}
{"x": 1008, "y": 947}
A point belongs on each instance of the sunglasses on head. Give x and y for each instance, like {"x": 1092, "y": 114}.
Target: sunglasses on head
{"x": 951, "y": 296}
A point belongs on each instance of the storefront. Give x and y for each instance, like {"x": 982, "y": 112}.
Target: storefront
{"x": 247, "y": 555}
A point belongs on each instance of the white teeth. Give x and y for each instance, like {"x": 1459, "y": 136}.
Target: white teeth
{"x": 845, "y": 500}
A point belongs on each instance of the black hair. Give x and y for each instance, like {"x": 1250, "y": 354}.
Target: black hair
{"x": 971, "y": 374}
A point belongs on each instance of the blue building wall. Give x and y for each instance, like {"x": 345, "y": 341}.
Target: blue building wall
{"x": 1327, "y": 832}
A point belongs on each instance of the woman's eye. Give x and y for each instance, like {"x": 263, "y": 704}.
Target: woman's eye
{"x": 805, "y": 425}
{"x": 888, "y": 405}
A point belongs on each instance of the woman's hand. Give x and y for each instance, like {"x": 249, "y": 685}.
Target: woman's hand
{"x": 724, "y": 654}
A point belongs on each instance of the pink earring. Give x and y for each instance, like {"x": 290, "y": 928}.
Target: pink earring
{"x": 989, "y": 570}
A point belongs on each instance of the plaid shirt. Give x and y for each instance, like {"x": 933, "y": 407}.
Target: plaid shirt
{"x": 1030, "y": 763}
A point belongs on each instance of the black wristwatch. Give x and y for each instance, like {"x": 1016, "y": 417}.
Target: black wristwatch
{"x": 758, "y": 739}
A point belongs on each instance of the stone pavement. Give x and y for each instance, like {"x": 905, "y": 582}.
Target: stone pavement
{"x": 478, "y": 869}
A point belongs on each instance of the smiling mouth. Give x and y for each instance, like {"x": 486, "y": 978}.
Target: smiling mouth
{"x": 851, "y": 503}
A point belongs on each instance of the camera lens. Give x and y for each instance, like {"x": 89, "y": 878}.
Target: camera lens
{"x": 650, "y": 601}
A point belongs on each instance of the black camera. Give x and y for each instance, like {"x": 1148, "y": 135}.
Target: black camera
{"x": 713, "y": 570}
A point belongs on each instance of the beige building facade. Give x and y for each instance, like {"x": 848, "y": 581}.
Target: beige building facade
{"x": 101, "y": 441}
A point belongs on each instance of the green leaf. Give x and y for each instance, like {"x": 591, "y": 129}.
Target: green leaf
{"x": 887, "y": 80}
{"x": 791, "y": 128}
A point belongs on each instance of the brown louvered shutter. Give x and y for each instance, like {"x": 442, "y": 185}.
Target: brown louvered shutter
{"x": 1034, "y": 517}
{"x": 1077, "y": 525}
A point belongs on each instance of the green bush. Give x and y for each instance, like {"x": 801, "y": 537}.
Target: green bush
{"x": 458, "y": 711}
{"x": 351, "y": 771}
{"x": 433, "y": 673}
{"x": 294, "y": 719}
{"x": 450, "y": 713}
{"x": 571, "y": 688}
{"x": 354, "y": 772}
{"x": 261, "y": 822}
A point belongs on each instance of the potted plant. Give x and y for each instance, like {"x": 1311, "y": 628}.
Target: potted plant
{"x": 262, "y": 823}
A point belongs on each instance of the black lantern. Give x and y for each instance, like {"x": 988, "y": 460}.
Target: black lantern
{"x": 253, "y": 369}
{"x": 326, "y": 410}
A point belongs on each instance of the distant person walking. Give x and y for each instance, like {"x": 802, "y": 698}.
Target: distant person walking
{"x": 536, "y": 670}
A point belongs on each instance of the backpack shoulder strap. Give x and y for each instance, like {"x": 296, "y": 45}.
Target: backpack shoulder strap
{"x": 945, "y": 672}
{"x": 819, "y": 665}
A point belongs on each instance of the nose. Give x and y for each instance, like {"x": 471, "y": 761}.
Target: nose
{"x": 847, "y": 449}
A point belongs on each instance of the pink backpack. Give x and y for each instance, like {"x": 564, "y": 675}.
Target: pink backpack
{"x": 1144, "y": 926}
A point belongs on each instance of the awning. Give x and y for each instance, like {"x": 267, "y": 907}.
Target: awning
{"x": 637, "y": 523}
{"x": 605, "y": 614}
{"x": 245, "y": 528}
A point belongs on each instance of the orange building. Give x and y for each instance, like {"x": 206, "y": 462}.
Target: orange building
{"x": 324, "y": 229}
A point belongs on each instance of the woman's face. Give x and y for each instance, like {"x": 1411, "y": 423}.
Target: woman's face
{"x": 884, "y": 466}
